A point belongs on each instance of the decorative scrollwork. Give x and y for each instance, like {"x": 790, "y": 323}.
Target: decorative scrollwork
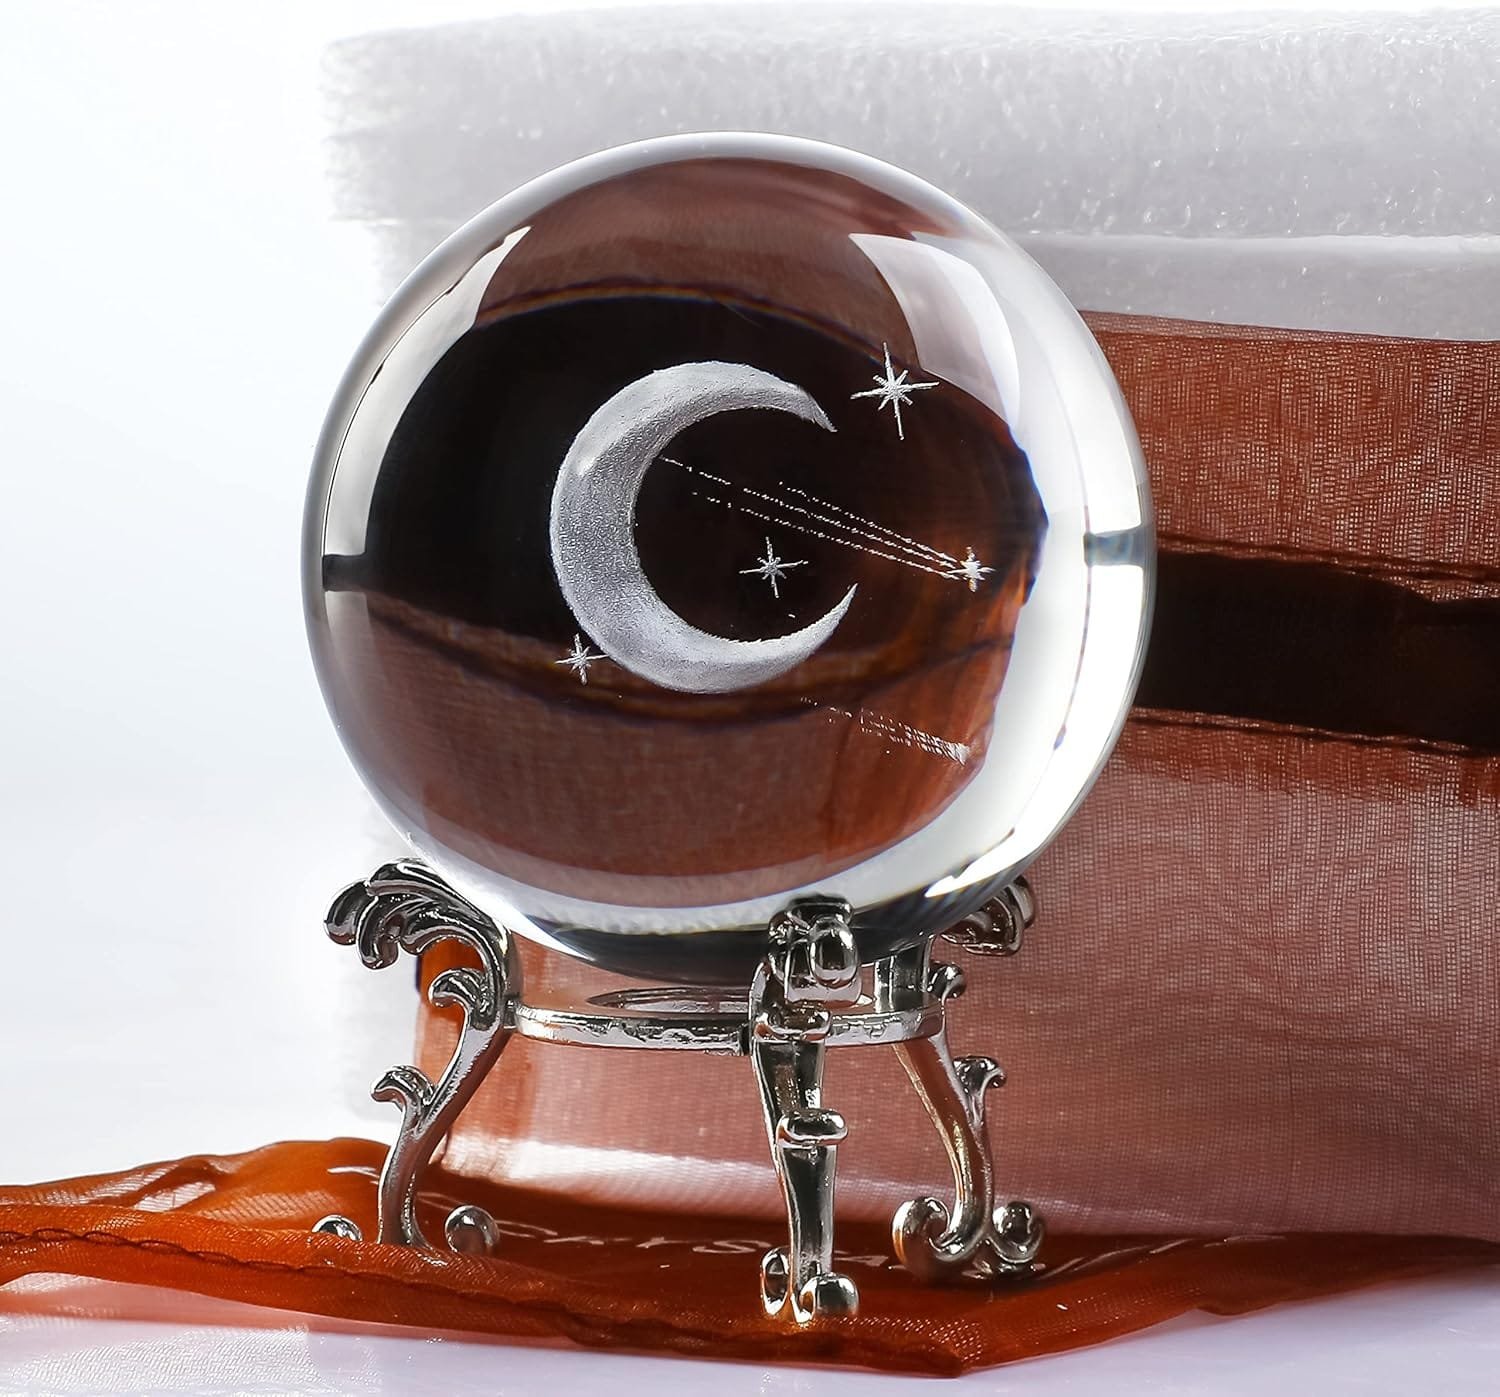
{"x": 405, "y": 906}
{"x": 999, "y": 927}
{"x": 805, "y": 995}
{"x": 812, "y": 969}
{"x": 976, "y": 1236}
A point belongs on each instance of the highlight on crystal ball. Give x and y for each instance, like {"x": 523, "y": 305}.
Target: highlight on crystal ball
{"x": 721, "y": 520}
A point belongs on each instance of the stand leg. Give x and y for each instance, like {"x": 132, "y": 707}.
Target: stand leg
{"x": 930, "y": 1241}
{"x": 812, "y": 968}
{"x": 406, "y": 907}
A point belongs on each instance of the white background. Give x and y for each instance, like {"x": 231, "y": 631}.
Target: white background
{"x": 178, "y": 301}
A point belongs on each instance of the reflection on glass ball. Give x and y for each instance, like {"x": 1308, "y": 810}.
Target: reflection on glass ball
{"x": 720, "y": 520}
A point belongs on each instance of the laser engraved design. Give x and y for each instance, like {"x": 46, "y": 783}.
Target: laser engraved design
{"x": 593, "y": 521}
{"x": 893, "y": 391}
{"x": 772, "y": 569}
{"x": 889, "y": 729}
{"x": 848, "y": 529}
{"x": 579, "y": 658}
{"x": 970, "y": 570}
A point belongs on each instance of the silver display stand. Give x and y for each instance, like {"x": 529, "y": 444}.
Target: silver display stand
{"x": 807, "y": 995}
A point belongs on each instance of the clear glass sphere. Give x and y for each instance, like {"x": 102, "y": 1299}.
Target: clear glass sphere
{"x": 720, "y": 520}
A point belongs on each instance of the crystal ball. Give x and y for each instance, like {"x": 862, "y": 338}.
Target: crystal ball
{"x": 722, "y": 520}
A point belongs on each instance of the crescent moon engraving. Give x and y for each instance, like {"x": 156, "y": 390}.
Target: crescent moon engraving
{"x": 593, "y": 531}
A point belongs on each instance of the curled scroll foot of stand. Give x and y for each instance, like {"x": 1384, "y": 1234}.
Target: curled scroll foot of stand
{"x": 1018, "y": 1234}
{"x": 337, "y": 1225}
{"x": 1005, "y": 1243}
{"x": 976, "y": 1236}
{"x": 468, "y": 1228}
{"x": 826, "y": 1295}
{"x": 406, "y": 907}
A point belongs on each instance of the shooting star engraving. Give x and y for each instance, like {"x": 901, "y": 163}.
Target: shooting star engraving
{"x": 971, "y": 570}
{"x": 822, "y": 519}
{"x": 893, "y": 730}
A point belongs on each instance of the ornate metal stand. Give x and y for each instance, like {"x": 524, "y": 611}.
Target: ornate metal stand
{"x": 806, "y": 996}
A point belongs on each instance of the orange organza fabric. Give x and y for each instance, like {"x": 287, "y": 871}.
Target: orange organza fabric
{"x": 236, "y": 1228}
{"x": 1263, "y": 991}
{"x": 1253, "y": 1043}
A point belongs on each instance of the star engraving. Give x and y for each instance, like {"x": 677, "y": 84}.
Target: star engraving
{"x": 772, "y": 568}
{"x": 579, "y": 658}
{"x": 971, "y": 570}
{"x": 893, "y": 391}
